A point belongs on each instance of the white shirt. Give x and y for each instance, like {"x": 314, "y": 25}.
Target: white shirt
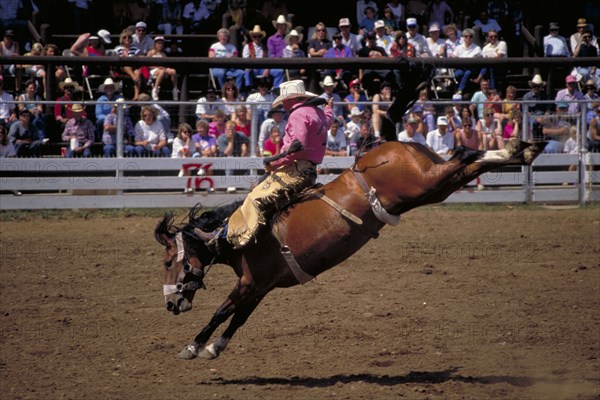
{"x": 489, "y": 25}
{"x": 385, "y": 41}
{"x": 337, "y": 142}
{"x": 154, "y": 133}
{"x": 5, "y": 107}
{"x": 203, "y": 107}
{"x": 556, "y": 46}
{"x": 570, "y": 146}
{"x": 420, "y": 44}
{"x": 499, "y": 50}
{"x": 417, "y": 138}
{"x": 178, "y": 145}
{"x": 259, "y": 98}
{"x": 223, "y": 51}
{"x": 467, "y": 52}
{"x": 441, "y": 144}
{"x": 436, "y": 47}
{"x": 258, "y": 51}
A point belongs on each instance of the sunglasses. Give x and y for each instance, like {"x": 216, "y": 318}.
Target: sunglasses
{"x": 489, "y": 115}
{"x": 465, "y": 125}
{"x": 320, "y": 30}
{"x": 467, "y": 35}
{"x": 586, "y": 37}
{"x": 493, "y": 37}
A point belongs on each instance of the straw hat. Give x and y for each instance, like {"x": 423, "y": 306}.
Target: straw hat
{"x": 294, "y": 33}
{"x": 77, "y": 108}
{"x": 292, "y": 90}
{"x": 257, "y": 31}
{"x": 69, "y": 83}
{"x": 282, "y": 21}
{"x": 328, "y": 81}
{"x": 582, "y": 23}
{"x": 107, "y": 82}
{"x": 537, "y": 80}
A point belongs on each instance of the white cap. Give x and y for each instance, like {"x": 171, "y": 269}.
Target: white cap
{"x": 411, "y": 22}
{"x": 105, "y": 36}
{"x": 379, "y": 24}
{"x": 442, "y": 121}
{"x": 344, "y": 22}
{"x": 141, "y": 24}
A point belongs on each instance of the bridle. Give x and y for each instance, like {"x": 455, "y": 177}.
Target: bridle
{"x": 198, "y": 280}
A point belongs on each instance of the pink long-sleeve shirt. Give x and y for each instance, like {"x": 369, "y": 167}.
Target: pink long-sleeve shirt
{"x": 309, "y": 125}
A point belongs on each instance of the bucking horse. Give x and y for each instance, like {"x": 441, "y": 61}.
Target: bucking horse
{"x": 323, "y": 226}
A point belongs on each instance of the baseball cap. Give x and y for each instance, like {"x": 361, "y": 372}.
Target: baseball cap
{"x": 442, "y": 121}
{"x": 571, "y": 79}
{"x": 141, "y": 24}
{"x": 344, "y": 22}
{"x": 411, "y": 22}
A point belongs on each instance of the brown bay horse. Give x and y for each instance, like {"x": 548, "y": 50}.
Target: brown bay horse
{"x": 399, "y": 177}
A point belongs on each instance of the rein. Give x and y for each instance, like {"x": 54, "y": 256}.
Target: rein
{"x": 193, "y": 285}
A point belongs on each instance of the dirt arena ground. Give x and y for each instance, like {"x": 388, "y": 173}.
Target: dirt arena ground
{"x": 455, "y": 303}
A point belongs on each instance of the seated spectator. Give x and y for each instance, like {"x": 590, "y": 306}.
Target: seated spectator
{"x": 489, "y": 129}
{"x": 10, "y": 47}
{"x": 232, "y": 143}
{"x": 383, "y": 38}
{"x": 381, "y": 104}
{"x": 163, "y": 115}
{"x": 428, "y": 113}
{"x": 150, "y": 137}
{"x": 364, "y": 141}
{"x": 436, "y": 45}
{"x": 590, "y": 89}
{"x": 467, "y": 136}
{"x": 264, "y": 96}
{"x": 336, "y": 141}
{"x": 348, "y": 38}
{"x": 29, "y": 100}
{"x": 361, "y": 7}
{"x": 158, "y": 73}
{"x": 223, "y": 49}
{"x": 587, "y": 48}
{"x": 366, "y": 25}
{"x": 329, "y": 86}
{"x": 38, "y": 70}
{"x": 184, "y": 145}
{"x": 275, "y": 119}
{"x": 109, "y": 134}
{"x": 440, "y": 12}
{"x": 205, "y": 144}
{"x": 467, "y": 49}
{"x": 454, "y": 121}
{"x": 254, "y": 49}
{"x": 62, "y": 109}
{"x": 555, "y": 45}
{"x": 126, "y": 48}
{"x": 7, "y": 149}
{"x": 410, "y": 133}
{"x": 494, "y": 48}
{"x": 390, "y": 21}
{"x": 355, "y": 96}
{"x": 79, "y": 132}
{"x": 25, "y": 136}
{"x": 416, "y": 39}
{"x": 570, "y": 93}
{"x": 593, "y": 133}
{"x": 208, "y": 105}
{"x": 486, "y": 23}
{"x": 441, "y": 140}
{"x": 217, "y": 126}
{"x": 60, "y": 73}
{"x": 105, "y": 104}
{"x": 293, "y": 49}
{"x": 194, "y": 13}
{"x": 453, "y": 39}
{"x": 242, "y": 121}
{"x": 512, "y": 128}
{"x": 272, "y": 145}
{"x": 338, "y": 50}
{"x": 143, "y": 41}
{"x": 276, "y": 43}
{"x": 230, "y": 94}
{"x": 556, "y": 128}
{"x": 509, "y": 103}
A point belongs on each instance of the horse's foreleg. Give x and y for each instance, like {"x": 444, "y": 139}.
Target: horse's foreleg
{"x": 239, "y": 318}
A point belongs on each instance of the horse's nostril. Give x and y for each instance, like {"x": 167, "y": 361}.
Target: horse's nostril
{"x": 170, "y": 306}
{"x": 179, "y": 301}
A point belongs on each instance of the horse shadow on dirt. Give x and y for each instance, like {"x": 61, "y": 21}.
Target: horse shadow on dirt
{"x": 431, "y": 377}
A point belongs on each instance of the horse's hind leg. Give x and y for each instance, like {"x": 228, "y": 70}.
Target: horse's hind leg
{"x": 239, "y": 318}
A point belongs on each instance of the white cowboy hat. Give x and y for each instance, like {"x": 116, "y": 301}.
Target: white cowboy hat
{"x": 69, "y": 82}
{"x": 107, "y": 82}
{"x": 292, "y": 90}
{"x": 281, "y": 21}
{"x": 328, "y": 81}
{"x": 257, "y": 31}
{"x": 355, "y": 111}
{"x": 537, "y": 80}
{"x": 294, "y": 33}
{"x": 104, "y": 35}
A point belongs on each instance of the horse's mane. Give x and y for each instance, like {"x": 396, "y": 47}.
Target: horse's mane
{"x": 211, "y": 220}
{"x": 164, "y": 229}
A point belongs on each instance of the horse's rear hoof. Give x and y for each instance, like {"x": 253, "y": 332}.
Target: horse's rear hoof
{"x": 207, "y": 354}
{"x": 516, "y": 146}
{"x": 189, "y": 353}
{"x": 533, "y": 151}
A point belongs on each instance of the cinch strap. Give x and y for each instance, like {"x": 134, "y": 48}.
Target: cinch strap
{"x": 339, "y": 208}
{"x": 380, "y": 212}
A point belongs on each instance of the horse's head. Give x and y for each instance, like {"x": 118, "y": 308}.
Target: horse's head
{"x": 184, "y": 262}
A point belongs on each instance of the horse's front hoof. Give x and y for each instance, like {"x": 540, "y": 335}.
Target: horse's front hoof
{"x": 208, "y": 353}
{"x": 189, "y": 353}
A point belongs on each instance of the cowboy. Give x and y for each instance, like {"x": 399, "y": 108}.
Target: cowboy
{"x": 307, "y": 125}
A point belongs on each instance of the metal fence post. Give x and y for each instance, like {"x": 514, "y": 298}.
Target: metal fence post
{"x": 527, "y": 169}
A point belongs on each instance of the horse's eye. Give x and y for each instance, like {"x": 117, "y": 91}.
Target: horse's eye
{"x": 168, "y": 264}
